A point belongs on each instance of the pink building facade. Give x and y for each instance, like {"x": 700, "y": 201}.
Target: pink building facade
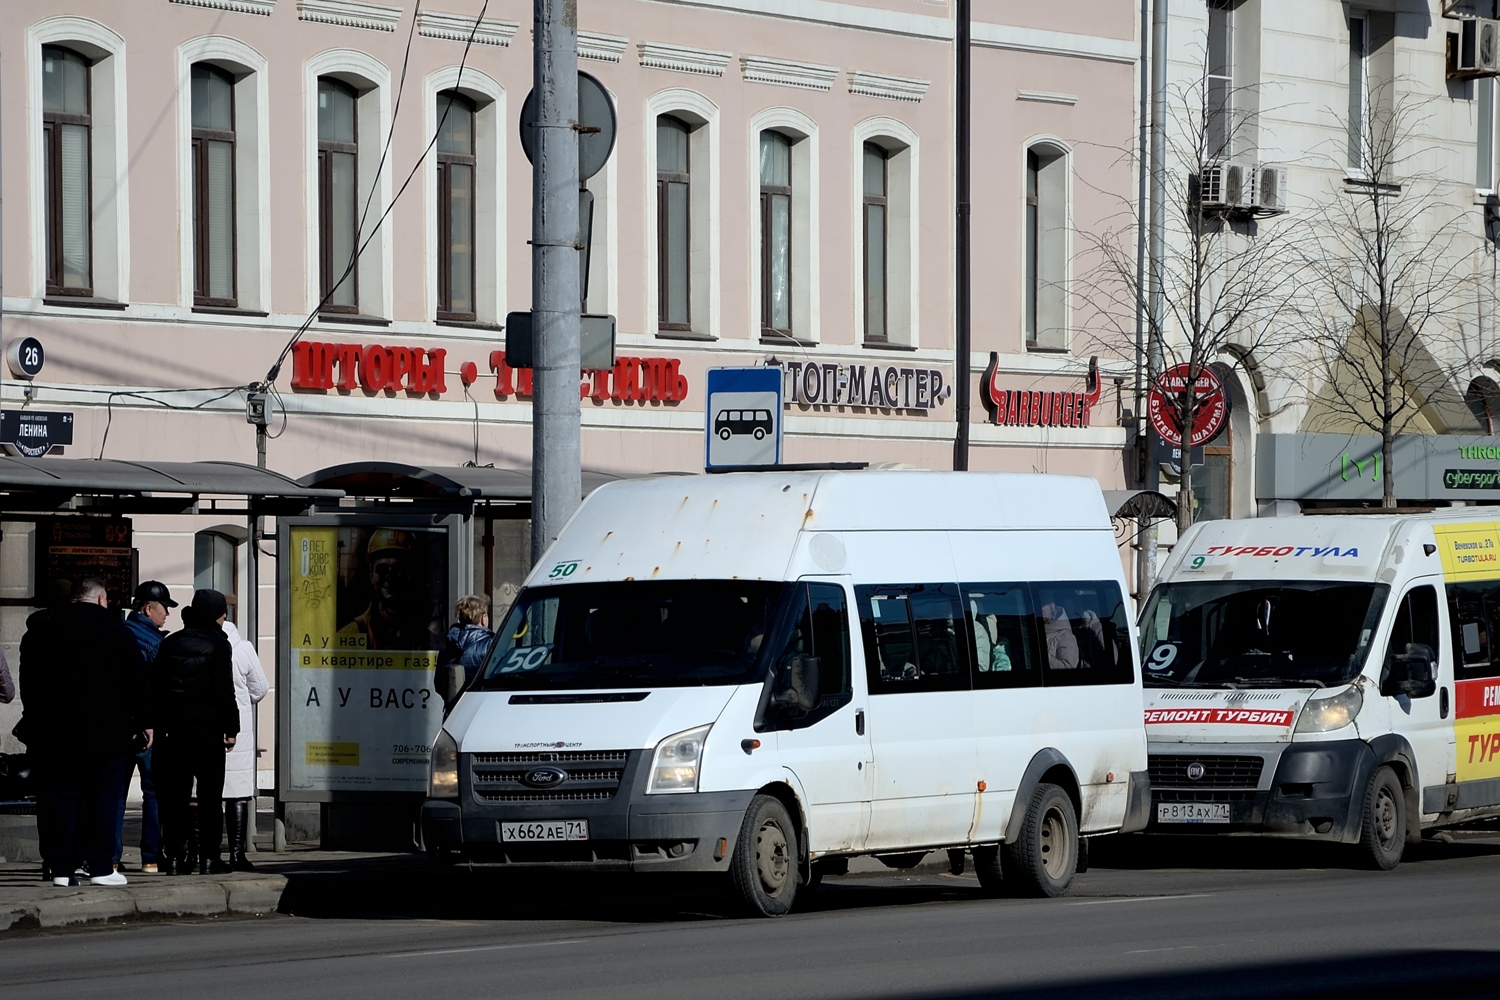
{"x": 182, "y": 179}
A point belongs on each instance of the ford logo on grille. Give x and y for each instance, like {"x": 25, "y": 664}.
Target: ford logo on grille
{"x": 544, "y": 777}
{"x": 1195, "y": 771}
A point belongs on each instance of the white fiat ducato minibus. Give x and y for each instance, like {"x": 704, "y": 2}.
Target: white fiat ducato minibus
{"x": 765, "y": 674}
{"x": 1333, "y": 677}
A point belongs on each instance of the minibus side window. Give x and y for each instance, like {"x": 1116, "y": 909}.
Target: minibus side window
{"x": 1085, "y": 633}
{"x": 819, "y": 629}
{"x": 914, "y": 637}
{"x": 1004, "y": 630}
{"x": 1472, "y": 610}
{"x": 1416, "y": 622}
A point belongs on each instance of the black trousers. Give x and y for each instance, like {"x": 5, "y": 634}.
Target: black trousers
{"x": 76, "y": 802}
{"x": 180, "y": 756}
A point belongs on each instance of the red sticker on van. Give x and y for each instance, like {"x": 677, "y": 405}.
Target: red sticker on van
{"x": 1219, "y": 716}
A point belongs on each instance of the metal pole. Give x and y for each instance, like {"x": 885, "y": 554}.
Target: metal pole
{"x": 556, "y": 485}
{"x": 1146, "y": 568}
{"x": 961, "y": 334}
{"x": 1142, "y": 427}
{"x": 250, "y": 628}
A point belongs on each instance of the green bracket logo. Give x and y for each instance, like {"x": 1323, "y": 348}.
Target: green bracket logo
{"x": 1359, "y": 466}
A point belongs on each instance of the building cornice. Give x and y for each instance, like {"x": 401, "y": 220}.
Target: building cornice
{"x": 235, "y": 6}
{"x": 895, "y": 88}
{"x": 1046, "y": 97}
{"x": 787, "y": 72}
{"x": 350, "y": 14}
{"x": 601, "y": 46}
{"x": 682, "y": 59}
{"x": 458, "y": 28}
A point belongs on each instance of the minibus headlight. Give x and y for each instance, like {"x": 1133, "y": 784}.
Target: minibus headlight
{"x": 674, "y": 765}
{"x": 1324, "y": 715}
{"x": 442, "y": 778}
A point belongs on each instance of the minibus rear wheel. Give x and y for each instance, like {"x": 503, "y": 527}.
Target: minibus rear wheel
{"x": 1383, "y": 834}
{"x": 763, "y": 870}
{"x": 1044, "y": 858}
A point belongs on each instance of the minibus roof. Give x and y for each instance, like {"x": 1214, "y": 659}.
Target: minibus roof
{"x": 746, "y": 524}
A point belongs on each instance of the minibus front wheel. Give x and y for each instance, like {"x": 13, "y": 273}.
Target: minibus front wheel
{"x": 1382, "y": 836}
{"x": 763, "y": 870}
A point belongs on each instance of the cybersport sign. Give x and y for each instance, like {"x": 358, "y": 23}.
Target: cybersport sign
{"x": 1210, "y": 405}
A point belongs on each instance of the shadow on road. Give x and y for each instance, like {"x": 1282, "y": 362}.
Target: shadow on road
{"x": 1148, "y": 853}
{"x": 1394, "y": 975}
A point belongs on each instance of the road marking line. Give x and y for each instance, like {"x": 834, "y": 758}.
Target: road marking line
{"x": 489, "y": 947}
{"x": 1138, "y": 899}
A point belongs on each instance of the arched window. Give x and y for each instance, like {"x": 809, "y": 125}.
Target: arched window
{"x": 456, "y": 163}
{"x": 213, "y": 186}
{"x": 876, "y": 226}
{"x": 1045, "y": 223}
{"x": 67, "y": 134}
{"x": 338, "y": 194}
{"x": 775, "y": 233}
{"x": 674, "y": 224}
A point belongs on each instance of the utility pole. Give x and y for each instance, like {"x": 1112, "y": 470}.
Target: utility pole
{"x": 961, "y": 292}
{"x": 556, "y": 478}
{"x": 1146, "y": 564}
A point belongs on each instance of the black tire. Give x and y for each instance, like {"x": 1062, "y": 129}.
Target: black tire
{"x": 1044, "y": 858}
{"x": 1382, "y": 835}
{"x": 725, "y": 434}
{"x": 987, "y": 869}
{"x": 763, "y": 870}
{"x": 760, "y": 433}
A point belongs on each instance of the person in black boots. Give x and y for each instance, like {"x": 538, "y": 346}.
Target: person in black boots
{"x": 250, "y": 686}
{"x": 197, "y": 723}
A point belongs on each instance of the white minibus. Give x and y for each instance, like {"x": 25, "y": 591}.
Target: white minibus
{"x": 1327, "y": 676}
{"x": 765, "y": 674}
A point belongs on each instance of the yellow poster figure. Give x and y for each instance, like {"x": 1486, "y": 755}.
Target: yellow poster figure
{"x": 398, "y": 615}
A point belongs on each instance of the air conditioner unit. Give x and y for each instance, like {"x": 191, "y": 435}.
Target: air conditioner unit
{"x": 1227, "y": 185}
{"x": 1270, "y": 188}
{"x": 1476, "y": 51}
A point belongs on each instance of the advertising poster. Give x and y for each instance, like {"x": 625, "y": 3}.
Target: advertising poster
{"x": 366, "y": 622}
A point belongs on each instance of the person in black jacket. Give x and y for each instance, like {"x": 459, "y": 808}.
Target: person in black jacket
{"x": 87, "y": 709}
{"x": 197, "y": 721}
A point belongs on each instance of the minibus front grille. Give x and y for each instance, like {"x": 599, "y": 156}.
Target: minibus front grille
{"x": 1206, "y": 795}
{"x": 587, "y": 776}
{"x": 1213, "y": 770}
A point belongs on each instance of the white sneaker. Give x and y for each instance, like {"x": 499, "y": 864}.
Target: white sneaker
{"x": 113, "y": 878}
{"x": 64, "y": 881}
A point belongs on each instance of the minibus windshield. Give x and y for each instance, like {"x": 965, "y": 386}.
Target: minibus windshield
{"x": 1249, "y": 633}
{"x": 660, "y": 633}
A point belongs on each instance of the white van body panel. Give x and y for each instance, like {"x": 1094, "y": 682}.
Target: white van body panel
{"x": 882, "y": 773}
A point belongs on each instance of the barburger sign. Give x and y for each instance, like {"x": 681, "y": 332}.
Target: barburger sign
{"x": 1211, "y": 405}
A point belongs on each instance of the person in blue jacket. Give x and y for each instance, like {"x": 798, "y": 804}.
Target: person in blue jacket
{"x": 469, "y": 638}
{"x": 149, "y": 612}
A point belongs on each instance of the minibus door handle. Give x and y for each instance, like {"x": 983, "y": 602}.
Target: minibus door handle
{"x": 859, "y": 722}
{"x": 1443, "y": 702}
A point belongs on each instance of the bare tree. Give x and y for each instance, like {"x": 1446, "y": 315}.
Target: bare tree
{"x": 1388, "y": 281}
{"x": 1226, "y": 278}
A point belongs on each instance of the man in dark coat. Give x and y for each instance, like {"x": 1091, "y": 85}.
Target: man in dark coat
{"x": 87, "y": 709}
{"x": 148, "y": 613}
{"x": 197, "y": 722}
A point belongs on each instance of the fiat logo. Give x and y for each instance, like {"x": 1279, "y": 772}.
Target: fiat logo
{"x": 1195, "y": 771}
{"x": 544, "y": 777}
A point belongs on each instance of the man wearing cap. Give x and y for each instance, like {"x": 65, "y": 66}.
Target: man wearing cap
{"x": 147, "y": 616}
{"x": 397, "y": 617}
{"x": 197, "y": 722}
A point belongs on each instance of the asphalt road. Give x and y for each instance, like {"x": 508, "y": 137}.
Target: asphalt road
{"x": 1239, "y": 919}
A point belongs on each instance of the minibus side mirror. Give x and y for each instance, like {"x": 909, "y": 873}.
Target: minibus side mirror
{"x": 800, "y": 695}
{"x": 1412, "y": 672}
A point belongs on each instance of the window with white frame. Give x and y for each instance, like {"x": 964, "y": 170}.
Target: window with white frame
{"x": 456, "y": 165}
{"x": 1359, "y": 87}
{"x": 876, "y": 250}
{"x": 67, "y": 134}
{"x": 338, "y": 195}
{"x": 1046, "y": 248}
{"x": 1218, "y": 82}
{"x": 674, "y": 231}
{"x": 884, "y": 185}
{"x": 213, "y": 155}
{"x": 775, "y": 234}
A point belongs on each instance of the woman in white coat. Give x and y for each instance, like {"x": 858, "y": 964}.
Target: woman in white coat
{"x": 239, "y": 766}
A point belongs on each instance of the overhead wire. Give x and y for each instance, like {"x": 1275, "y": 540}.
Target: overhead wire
{"x": 275, "y": 369}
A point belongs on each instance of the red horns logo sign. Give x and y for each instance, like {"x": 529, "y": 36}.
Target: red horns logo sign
{"x": 1210, "y": 405}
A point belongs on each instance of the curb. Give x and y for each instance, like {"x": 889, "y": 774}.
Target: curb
{"x": 90, "y": 904}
